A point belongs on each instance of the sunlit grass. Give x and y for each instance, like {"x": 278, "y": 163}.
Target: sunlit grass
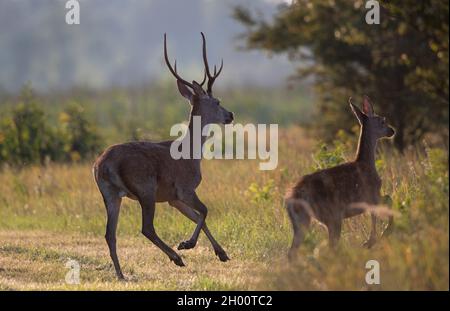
{"x": 53, "y": 213}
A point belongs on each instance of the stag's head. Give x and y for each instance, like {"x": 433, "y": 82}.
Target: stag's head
{"x": 203, "y": 103}
{"x": 368, "y": 119}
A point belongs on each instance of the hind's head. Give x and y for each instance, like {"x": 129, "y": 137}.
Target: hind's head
{"x": 369, "y": 120}
{"x": 203, "y": 103}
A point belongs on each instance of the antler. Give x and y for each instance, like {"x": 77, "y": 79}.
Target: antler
{"x": 174, "y": 70}
{"x": 204, "y": 79}
{"x": 211, "y": 78}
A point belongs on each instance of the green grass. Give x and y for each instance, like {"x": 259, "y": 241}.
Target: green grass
{"x": 53, "y": 213}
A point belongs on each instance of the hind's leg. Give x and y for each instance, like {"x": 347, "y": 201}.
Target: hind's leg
{"x": 389, "y": 227}
{"x": 334, "y": 232}
{"x": 112, "y": 203}
{"x": 386, "y": 199}
{"x": 373, "y": 232}
{"x": 300, "y": 220}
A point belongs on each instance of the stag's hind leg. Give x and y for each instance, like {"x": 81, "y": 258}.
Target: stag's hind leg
{"x": 195, "y": 217}
{"x": 148, "y": 229}
{"x": 112, "y": 203}
{"x": 300, "y": 219}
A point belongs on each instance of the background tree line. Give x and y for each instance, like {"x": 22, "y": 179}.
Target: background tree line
{"x": 402, "y": 63}
{"x": 77, "y": 124}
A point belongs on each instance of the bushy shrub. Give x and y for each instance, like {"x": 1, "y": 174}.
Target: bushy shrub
{"x": 27, "y": 135}
{"x": 80, "y": 137}
{"x": 326, "y": 157}
{"x": 262, "y": 193}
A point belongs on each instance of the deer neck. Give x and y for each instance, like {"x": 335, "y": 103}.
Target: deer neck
{"x": 366, "y": 147}
{"x": 194, "y": 137}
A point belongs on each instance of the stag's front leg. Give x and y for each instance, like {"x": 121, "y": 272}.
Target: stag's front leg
{"x": 192, "y": 215}
{"x": 193, "y": 201}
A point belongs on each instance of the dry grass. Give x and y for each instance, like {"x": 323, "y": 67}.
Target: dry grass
{"x": 49, "y": 214}
{"x": 36, "y": 261}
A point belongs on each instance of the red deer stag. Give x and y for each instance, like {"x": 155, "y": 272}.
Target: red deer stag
{"x": 146, "y": 171}
{"x": 330, "y": 195}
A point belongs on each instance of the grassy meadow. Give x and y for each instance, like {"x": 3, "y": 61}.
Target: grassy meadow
{"x": 104, "y": 82}
{"x": 53, "y": 213}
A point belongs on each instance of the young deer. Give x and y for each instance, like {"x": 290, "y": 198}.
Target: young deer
{"x": 146, "y": 172}
{"x": 333, "y": 194}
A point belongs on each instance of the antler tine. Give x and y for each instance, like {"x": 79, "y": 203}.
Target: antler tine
{"x": 220, "y": 69}
{"x": 172, "y": 70}
{"x": 205, "y": 58}
{"x": 213, "y": 77}
{"x": 204, "y": 79}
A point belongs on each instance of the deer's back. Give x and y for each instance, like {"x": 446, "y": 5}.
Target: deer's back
{"x": 332, "y": 190}
{"x": 136, "y": 166}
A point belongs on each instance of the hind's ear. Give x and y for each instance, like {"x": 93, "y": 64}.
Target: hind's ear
{"x": 358, "y": 113}
{"x": 367, "y": 106}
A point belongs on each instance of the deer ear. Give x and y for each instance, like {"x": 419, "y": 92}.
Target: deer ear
{"x": 183, "y": 89}
{"x": 358, "y": 113}
{"x": 367, "y": 106}
{"x": 198, "y": 90}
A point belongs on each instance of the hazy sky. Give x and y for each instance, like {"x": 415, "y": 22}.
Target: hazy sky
{"x": 121, "y": 42}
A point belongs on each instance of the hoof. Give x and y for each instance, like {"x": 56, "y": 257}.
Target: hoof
{"x": 121, "y": 278}
{"x": 178, "y": 261}
{"x": 222, "y": 255}
{"x": 186, "y": 245}
{"x": 292, "y": 255}
{"x": 388, "y": 231}
{"x": 369, "y": 243}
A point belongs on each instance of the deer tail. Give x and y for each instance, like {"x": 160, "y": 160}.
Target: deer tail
{"x": 381, "y": 211}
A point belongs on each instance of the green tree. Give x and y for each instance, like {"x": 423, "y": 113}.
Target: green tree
{"x": 25, "y": 136}
{"x": 402, "y": 63}
{"x": 80, "y": 136}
